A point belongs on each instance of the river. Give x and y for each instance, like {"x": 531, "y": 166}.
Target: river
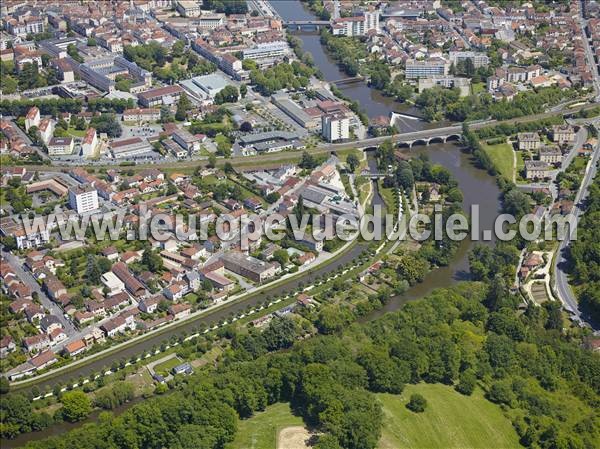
{"x": 477, "y": 186}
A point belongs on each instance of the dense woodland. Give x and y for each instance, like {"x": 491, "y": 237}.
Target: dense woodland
{"x": 584, "y": 253}
{"x": 546, "y": 384}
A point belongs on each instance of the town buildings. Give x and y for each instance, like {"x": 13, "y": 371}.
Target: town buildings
{"x": 529, "y": 141}
{"x": 83, "y": 199}
{"x": 537, "y": 169}
{"x": 248, "y": 266}
{"x": 424, "y": 69}
{"x": 335, "y": 127}
{"x": 61, "y": 146}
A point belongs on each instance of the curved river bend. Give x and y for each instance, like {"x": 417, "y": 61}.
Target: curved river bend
{"x": 478, "y": 188}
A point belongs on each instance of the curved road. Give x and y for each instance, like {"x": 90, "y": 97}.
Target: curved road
{"x": 565, "y": 293}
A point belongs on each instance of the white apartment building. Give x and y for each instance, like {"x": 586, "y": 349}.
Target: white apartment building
{"x": 479, "y": 59}
{"x": 90, "y": 142}
{"x": 335, "y": 127}
{"x": 426, "y": 69}
{"x": 267, "y": 51}
{"x": 83, "y": 199}
{"x": 356, "y": 25}
{"x": 32, "y": 118}
{"x": 60, "y": 146}
{"x": 46, "y": 129}
{"x": 462, "y": 84}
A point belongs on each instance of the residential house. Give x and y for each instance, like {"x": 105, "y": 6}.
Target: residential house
{"x": 180, "y": 310}
{"x": 50, "y": 322}
{"x": 36, "y": 343}
{"x": 529, "y": 141}
{"x": 537, "y": 169}
{"x": 74, "y": 348}
{"x": 563, "y": 134}
{"x": 132, "y": 285}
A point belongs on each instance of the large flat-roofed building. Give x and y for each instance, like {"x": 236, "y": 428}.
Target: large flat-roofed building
{"x": 101, "y": 72}
{"x": 206, "y": 86}
{"x": 267, "y": 53}
{"x": 131, "y": 147}
{"x": 163, "y": 95}
{"x": 188, "y": 8}
{"x": 271, "y": 141}
{"x": 187, "y": 140}
{"x": 479, "y": 59}
{"x": 83, "y": 199}
{"x": 424, "y": 69}
{"x": 462, "y": 84}
{"x": 57, "y": 48}
{"x": 248, "y": 266}
{"x": 60, "y": 146}
{"x": 295, "y": 112}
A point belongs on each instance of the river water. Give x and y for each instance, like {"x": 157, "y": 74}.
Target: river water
{"x": 477, "y": 186}
{"x": 370, "y": 100}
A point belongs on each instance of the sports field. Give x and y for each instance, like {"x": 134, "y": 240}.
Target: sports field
{"x": 262, "y": 430}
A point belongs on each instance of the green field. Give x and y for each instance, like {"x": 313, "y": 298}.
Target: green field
{"x": 450, "y": 421}
{"x": 477, "y": 88}
{"x": 260, "y": 431}
{"x": 164, "y": 368}
{"x": 502, "y": 157}
{"x": 389, "y": 198}
{"x": 76, "y": 132}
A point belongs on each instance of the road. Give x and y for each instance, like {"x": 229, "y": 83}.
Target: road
{"x": 103, "y": 361}
{"x": 580, "y": 139}
{"x": 274, "y": 159}
{"x": 565, "y": 293}
{"x": 589, "y": 53}
{"x": 28, "y": 279}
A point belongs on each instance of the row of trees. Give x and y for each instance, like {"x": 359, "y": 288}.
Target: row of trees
{"x": 439, "y": 103}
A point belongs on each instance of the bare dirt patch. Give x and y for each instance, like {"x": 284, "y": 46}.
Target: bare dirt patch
{"x": 295, "y": 437}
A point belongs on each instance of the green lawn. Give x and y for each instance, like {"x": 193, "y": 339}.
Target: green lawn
{"x": 165, "y": 368}
{"x": 76, "y": 132}
{"x": 260, "y": 431}
{"x": 450, "y": 421}
{"x": 502, "y": 156}
{"x": 388, "y": 198}
{"x": 477, "y": 88}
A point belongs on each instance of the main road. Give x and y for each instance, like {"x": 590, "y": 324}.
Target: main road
{"x": 563, "y": 289}
{"x": 273, "y": 159}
